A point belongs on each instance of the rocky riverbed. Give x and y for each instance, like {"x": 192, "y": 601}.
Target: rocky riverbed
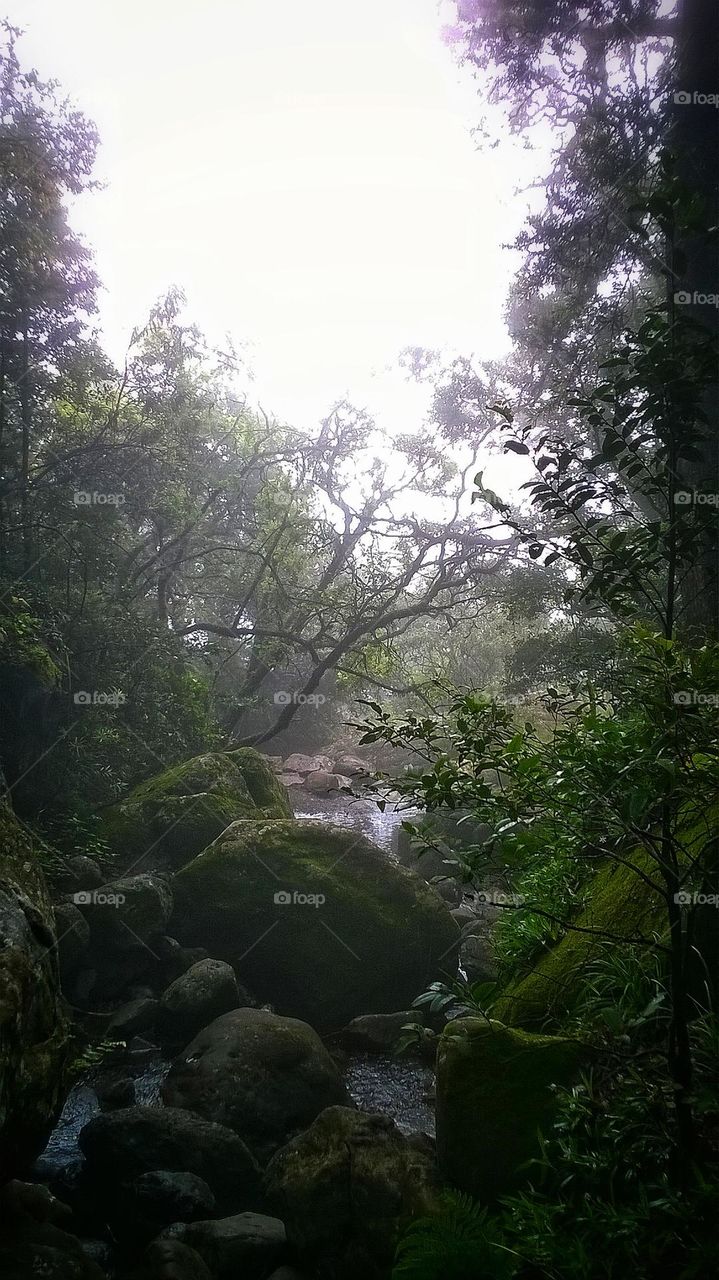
{"x": 241, "y": 982}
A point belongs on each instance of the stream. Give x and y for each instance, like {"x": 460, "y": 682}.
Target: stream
{"x": 401, "y": 1088}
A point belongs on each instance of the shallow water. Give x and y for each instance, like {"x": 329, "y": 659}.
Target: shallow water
{"x": 397, "y": 1087}
{"x": 357, "y": 813}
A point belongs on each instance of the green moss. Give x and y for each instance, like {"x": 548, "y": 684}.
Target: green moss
{"x": 182, "y": 810}
{"x": 262, "y": 784}
{"x": 379, "y": 935}
{"x": 494, "y": 1098}
{"x": 620, "y": 905}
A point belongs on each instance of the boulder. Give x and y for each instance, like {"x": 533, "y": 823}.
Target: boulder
{"x": 179, "y": 812}
{"x": 350, "y": 766}
{"x": 125, "y": 912}
{"x": 165, "y": 1196}
{"x": 494, "y": 1096}
{"x": 346, "y": 1188}
{"x": 171, "y": 1260}
{"x": 33, "y": 1024}
{"x": 290, "y": 779}
{"x": 33, "y": 1241}
{"x": 207, "y": 990}
{"x": 263, "y": 1076}
{"x": 115, "y": 1093}
{"x": 247, "y": 1245}
{"x": 29, "y": 1249}
{"x": 323, "y": 783}
{"x": 463, "y": 915}
{"x": 127, "y": 918}
{"x": 315, "y": 919}
{"x": 377, "y": 1032}
{"x": 73, "y": 939}
{"x": 298, "y": 763}
{"x": 132, "y": 1018}
{"x": 119, "y": 1146}
{"x": 78, "y": 872}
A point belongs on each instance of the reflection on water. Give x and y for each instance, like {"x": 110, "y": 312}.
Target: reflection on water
{"x": 357, "y": 813}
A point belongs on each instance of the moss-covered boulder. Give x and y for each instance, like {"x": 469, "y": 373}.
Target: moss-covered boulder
{"x": 33, "y": 1026}
{"x": 263, "y": 1076}
{"x": 621, "y": 905}
{"x": 179, "y": 812}
{"x": 315, "y": 919}
{"x": 346, "y": 1188}
{"x": 494, "y": 1096}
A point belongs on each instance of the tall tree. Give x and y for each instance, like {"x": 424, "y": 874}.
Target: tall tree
{"x": 47, "y": 283}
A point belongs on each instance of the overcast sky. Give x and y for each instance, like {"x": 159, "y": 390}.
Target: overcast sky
{"x": 303, "y": 169}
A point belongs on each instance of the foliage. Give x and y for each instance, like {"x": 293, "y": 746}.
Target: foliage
{"x": 455, "y": 1244}
{"x": 457, "y": 997}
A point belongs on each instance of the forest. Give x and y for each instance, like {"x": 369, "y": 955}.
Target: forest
{"x": 359, "y": 788}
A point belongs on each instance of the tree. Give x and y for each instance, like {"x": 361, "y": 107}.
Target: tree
{"x": 47, "y": 284}
{"x": 612, "y": 81}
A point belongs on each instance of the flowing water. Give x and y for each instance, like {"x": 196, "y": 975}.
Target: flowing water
{"x": 401, "y": 1088}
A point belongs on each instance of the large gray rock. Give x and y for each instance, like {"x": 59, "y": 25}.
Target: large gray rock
{"x": 315, "y": 920}
{"x": 119, "y": 1146}
{"x": 345, "y": 1188}
{"x": 324, "y": 783}
{"x": 247, "y": 1245}
{"x": 299, "y": 763}
{"x": 33, "y": 1024}
{"x": 263, "y": 1076}
{"x": 207, "y": 990}
{"x": 350, "y": 766}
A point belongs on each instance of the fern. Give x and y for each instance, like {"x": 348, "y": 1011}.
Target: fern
{"x": 454, "y": 1244}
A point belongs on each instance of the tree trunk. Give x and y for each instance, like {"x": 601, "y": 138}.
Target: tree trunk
{"x": 24, "y": 390}
{"x": 695, "y": 141}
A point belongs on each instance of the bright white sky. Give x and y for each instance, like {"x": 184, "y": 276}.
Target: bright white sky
{"x": 303, "y": 169}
